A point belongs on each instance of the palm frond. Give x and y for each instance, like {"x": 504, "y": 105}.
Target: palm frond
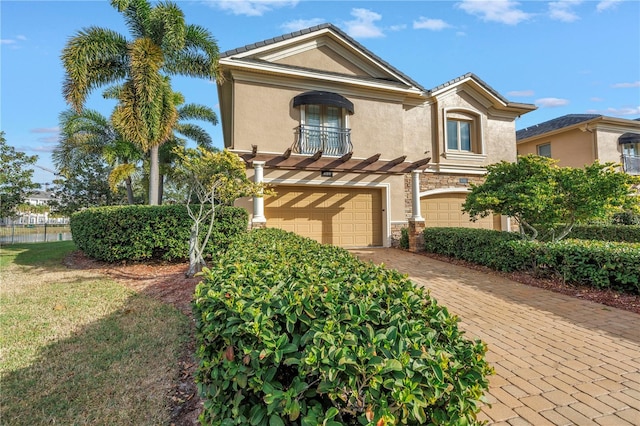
{"x": 198, "y": 112}
{"x": 136, "y": 15}
{"x": 92, "y": 58}
{"x": 167, "y": 26}
{"x": 196, "y": 134}
{"x": 119, "y": 174}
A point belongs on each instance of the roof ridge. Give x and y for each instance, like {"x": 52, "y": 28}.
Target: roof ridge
{"x": 319, "y": 27}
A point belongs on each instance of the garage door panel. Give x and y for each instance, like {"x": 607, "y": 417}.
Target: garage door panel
{"x": 347, "y": 217}
{"x": 446, "y": 210}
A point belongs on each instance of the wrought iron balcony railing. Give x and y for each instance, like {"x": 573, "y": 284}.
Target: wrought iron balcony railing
{"x": 332, "y": 141}
{"x": 631, "y": 164}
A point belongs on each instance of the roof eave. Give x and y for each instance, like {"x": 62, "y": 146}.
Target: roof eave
{"x": 270, "y": 68}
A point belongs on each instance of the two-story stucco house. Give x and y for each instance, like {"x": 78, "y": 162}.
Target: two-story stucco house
{"x": 576, "y": 140}
{"x": 354, "y": 148}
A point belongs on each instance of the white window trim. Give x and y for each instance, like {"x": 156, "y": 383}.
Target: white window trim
{"x": 478, "y": 133}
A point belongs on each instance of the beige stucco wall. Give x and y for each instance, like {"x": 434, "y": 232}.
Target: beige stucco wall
{"x": 323, "y": 58}
{"x": 573, "y": 148}
{"x": 497, "y": 132}
{"x": 608, "y": 147}
{"x": 264, "y": 115}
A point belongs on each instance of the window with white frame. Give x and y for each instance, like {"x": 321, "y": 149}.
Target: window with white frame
{"x": 544, "y": 150}
{"x": 324, "y": 128}
{"x": 463, "y": 132}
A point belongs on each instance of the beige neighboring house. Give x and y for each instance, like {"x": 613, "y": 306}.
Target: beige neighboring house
{"x": 577, "y": 140}
{"x": 354, "y": 148}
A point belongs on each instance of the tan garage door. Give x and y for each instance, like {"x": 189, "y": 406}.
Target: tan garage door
{"x": 346, "y": 217}
{"x": 446, "y": 210}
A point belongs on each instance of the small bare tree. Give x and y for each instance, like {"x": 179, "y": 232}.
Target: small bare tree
{"x": 212, "y": 178}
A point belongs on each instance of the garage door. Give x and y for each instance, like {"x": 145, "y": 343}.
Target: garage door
{"x": 346, "y": 217}
{"x": 446, "y": 210}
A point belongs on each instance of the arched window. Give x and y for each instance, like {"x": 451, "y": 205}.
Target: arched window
{"x": 324, "y": 123}
{"x": 463, "y": 133}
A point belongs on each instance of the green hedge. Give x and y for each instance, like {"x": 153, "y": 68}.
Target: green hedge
{"x": 619, "y": 233}
{"x": 482, "y": 246}
{"x": 597, "y": 263}
{"x": 137, "y": 233}
{"x": 292, "y": 332}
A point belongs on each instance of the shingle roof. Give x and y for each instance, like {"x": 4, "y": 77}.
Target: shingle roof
{"x": 554, "y": 124}
{"x": 315, "y": 28}
{"x": 475, "y": 77}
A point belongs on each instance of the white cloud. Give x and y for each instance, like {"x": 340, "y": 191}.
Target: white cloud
{"x": 364, "y": 25}
{"x": 563, "y": 10}
{"x": 503, "y": 11}
{"x": 626, "y": 85}
{"x": 617, "y": 111}
{"x": 45, "y": 130}
{"x": 49, "y": 139}
{"x": 596, "y": 99}
{"x": 399, "y": 27}
{"x": 21, "y": 37}
{"x": 551, "y": 102}
{"x": 42, "y": 148}
{"x": 607, "y": 4}
{"x": 7, "y": 41}
{"x": 300, "y": 24}
{"x": 520, "y": 93}
{"x": 251, "y": 7}
{"x": 461, "y": 33}
{"x": 430, "y": 24}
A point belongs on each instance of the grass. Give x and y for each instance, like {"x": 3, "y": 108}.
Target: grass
{"x": 78, "y": 348}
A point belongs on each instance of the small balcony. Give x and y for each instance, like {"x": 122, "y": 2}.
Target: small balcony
{"x": 332, "y": 141}
{"x": 631, "y": 164}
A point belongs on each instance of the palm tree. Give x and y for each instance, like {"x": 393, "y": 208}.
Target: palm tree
{"x": 162, "y": 45}
{"x": 91, "y": 133}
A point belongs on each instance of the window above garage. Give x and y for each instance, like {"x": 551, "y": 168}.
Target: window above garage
{"x": 463, "y": 135}
{"x": 324, "y": 123}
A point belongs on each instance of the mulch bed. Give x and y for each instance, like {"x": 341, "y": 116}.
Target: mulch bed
{"x": 166, "y": 282}
{"x": 608, "y": 297}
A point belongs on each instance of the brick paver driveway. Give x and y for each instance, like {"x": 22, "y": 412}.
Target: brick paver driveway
{"x": 558, "y": 360}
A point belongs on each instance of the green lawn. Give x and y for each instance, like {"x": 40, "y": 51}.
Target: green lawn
{"x": 78, "y": 348}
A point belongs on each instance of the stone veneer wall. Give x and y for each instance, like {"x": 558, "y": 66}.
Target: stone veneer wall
{"x": 396, "y": 233}
{"x": 429, "y": 181}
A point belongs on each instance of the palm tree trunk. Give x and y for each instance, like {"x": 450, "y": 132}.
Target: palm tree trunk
{"x": 129, "y": 186}
{"x": 160, "y": 188}
{"x": 154, "y": 176}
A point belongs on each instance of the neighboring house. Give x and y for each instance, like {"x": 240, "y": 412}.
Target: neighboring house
{"x": 576, "y": 140}
{"x": 39, "y": 215}
{"x": 354, "y": 148}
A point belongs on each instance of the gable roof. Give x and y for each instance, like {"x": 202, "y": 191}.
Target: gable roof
{"x": 575, "y": 120}
{"x": 469, "y": 75}
{"x": 327, "y": 26}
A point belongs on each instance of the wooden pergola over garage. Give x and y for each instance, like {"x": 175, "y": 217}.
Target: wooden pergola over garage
{"x": 347, "y": 216}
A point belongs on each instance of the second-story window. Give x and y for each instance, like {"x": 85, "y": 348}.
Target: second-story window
{"x": 459, "y": 135}
{"x": 463, "y": 133}
{"x": 324, "y": 123}
{"x": 323, "y": 129}
{"x": 544, "y": 150}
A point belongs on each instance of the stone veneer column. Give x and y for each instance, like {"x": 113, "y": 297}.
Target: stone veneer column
{"x": 416, "y": 223}
{"x": 258, "y": 220}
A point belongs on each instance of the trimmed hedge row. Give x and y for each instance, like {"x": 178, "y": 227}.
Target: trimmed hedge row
{"x": 292, "y": 332}
{"x": 597, "y": 263}
{"x": 137, "y": 233}
{"x": 619, "y": 233}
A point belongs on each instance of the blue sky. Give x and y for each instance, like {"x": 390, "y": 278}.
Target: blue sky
{"x": 566, "y": 57}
